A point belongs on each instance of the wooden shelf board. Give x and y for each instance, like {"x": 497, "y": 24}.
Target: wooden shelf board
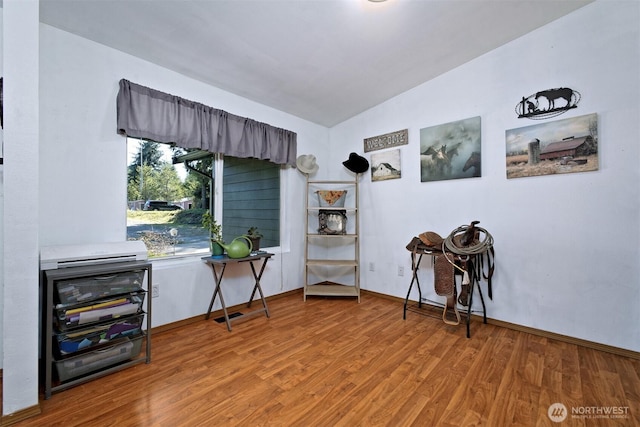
{"x": 333, "y": 236}
{"x": 331, "y": 208}
{"x": 332, "y": 289}
{"x": 335, "y": 262}
{"x": 332, "y": 182}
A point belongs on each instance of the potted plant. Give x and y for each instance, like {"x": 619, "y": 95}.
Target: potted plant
{"x": 254, "y": 235}
{"x": 215, "y": 233}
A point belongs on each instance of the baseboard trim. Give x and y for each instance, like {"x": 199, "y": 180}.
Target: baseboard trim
{"x": 20, "y": 415}
{"x": 565, "y": 338}
{"x": 533, "y": 331}
{"x": 217, "y": 313}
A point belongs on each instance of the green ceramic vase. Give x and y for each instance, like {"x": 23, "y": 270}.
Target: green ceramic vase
{"x": 217, "y": 251}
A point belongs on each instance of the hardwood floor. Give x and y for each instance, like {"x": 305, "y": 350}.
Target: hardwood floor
{"x": 334, "y": 362}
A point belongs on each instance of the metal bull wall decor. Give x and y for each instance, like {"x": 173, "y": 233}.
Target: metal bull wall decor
{"x": 547, "y": 103}
{"x": 468, "y": 252}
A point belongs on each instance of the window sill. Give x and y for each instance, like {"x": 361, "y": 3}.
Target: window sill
{"x": 192, "y": 258}
{"x": 178, "y": 260}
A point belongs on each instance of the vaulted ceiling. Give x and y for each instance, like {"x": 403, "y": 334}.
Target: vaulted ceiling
{"x": 321, "y": 60}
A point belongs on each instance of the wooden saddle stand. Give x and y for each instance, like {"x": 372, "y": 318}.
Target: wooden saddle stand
{"x": 467, "y": 252}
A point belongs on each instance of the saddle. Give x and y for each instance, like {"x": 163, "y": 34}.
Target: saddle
{"x": 467, "y": 251}
{"x": 444, "y": 284}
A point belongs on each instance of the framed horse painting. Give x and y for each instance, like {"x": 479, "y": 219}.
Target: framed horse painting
{"x": 451, "y": 150}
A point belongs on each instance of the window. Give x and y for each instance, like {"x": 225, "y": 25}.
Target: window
{"x": 251, "y": 198}
{"x": 166, "y": 200}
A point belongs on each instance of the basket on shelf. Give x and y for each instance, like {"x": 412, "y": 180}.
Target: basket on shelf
{"x": 331, "y": 198}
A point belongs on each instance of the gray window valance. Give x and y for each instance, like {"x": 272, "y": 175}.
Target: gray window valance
{"x": 150, "y": 114}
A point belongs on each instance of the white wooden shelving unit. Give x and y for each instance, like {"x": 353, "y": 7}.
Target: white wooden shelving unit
{"x": 332, "y": 256}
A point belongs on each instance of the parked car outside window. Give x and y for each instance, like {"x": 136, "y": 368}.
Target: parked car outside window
{"x": 159, "y": 205}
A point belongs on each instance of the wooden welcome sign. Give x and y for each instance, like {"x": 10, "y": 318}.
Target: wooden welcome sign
{"x": 387, "y": 140}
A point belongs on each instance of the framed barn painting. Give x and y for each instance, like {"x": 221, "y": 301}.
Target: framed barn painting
{"x": 450, "y": 151}
{"x": 561, "y": 146}
{"x": 385, "y": 165}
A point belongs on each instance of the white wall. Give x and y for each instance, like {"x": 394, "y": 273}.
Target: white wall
{"x": 20, "y": 205}
{"x": 1, "y": 208}
{"x": 567, "y": 245}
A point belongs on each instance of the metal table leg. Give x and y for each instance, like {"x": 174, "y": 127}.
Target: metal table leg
{"x": 218, "y": 291}
{"x": 257, "y": 286}
{"x": 475, "y": 279}
{"x": 414, "y": 268}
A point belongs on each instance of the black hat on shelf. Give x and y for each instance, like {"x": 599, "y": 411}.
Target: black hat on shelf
{"x": 356, "y": 163}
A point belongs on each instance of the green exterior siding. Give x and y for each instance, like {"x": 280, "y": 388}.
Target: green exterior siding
{"x": 251, "y": 198}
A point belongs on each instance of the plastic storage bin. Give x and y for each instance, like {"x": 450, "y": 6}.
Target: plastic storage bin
{"x": 85, "y": 289}
{"x": 69, "y": 317}
{"x": 98, "y": 359}
{"x": 98, "y": 335}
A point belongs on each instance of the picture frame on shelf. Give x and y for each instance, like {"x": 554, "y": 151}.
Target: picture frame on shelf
{"x": 332, "y": 222}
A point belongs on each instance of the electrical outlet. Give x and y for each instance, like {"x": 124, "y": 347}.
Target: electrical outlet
{"x": 155, "y": 291}
{"x": 372, "y": 266}
{"x": 400, "y": 270}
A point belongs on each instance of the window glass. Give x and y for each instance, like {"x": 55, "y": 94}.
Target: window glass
{"x": 166, "y": 201}
{"x": 251, "y": 198}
